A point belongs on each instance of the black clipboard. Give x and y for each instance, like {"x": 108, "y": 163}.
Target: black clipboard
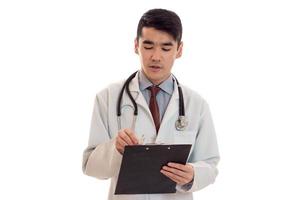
{"x": 141, "y": 165}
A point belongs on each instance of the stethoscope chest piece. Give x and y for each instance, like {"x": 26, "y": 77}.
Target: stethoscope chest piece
{"x": 181, "y": 123}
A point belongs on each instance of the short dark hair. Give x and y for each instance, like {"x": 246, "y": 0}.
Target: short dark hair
{"x": 163, "y": 20}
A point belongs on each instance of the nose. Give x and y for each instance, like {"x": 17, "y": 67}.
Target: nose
{"x": 156, "y": 55}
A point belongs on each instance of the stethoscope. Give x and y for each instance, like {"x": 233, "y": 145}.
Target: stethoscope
{"x": 180, "y": 124}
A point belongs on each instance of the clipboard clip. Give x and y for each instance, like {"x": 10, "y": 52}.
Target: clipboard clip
{"x": 142, "y": 141}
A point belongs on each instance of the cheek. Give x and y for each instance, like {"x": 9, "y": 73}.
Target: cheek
{"x": 171, "y": 55}
{"x": 144, "y": 59}
{"x": 144, "y": 55}
{"x": 170, "y": 58}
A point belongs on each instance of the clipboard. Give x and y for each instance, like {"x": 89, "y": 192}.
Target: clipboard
{"x": 141, "y": 165}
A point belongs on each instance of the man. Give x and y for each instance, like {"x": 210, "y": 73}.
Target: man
{"x": 158, "y": 44}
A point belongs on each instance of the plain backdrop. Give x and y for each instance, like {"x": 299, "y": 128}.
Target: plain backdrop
{"x": 243, "y": 57}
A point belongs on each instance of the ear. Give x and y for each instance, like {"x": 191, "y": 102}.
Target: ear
{"x": 179, "y": 51}
{"x": 136, "y": 46}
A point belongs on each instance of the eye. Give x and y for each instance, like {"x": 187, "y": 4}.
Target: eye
{"x": 164, "y": 49}
{"x": 147, "y": 48}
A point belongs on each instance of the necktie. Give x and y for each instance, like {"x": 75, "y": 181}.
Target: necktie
{"x": 154, "y": 106}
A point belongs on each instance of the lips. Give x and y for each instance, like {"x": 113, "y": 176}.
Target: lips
{"x": 155, "y": 68}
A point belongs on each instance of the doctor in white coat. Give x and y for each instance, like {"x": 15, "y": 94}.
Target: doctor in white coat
{"x": 158, "y": 44}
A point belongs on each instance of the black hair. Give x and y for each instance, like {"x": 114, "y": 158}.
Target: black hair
{"x": 162, "y": 20}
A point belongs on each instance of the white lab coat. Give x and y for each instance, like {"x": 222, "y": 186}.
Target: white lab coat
{"x": 101, "y": 159}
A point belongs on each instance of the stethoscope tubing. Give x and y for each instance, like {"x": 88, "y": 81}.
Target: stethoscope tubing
{"x": 126, "y": 88}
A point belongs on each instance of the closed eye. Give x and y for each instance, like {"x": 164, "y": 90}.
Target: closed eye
{"x": 164, "y": 49}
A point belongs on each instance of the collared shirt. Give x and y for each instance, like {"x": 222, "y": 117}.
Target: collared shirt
{"x": 163, "y": 96}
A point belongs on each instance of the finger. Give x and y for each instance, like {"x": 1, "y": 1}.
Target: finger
{"x": 120, "y": 146}
{"x": 185, "y": 168}
{"x": 174, "y": 177}
{"x": 121, "y": 143}
{"x": 125, "y": 138}
{"x": 187, "y": 175}
{"x": 176, "y": 181}
{"x": 176, "y": 171}
{"x": 131, "y": 135}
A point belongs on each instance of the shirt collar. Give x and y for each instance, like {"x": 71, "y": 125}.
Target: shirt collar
{"x": 167, "y": 85}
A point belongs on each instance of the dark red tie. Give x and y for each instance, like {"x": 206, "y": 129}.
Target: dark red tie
{"x": 154, "y": 106}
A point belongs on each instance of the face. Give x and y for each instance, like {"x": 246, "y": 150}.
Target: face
{"x": 157, "y": 51}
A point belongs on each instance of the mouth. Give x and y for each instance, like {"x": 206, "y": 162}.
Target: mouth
{"x": 155, "y": 68}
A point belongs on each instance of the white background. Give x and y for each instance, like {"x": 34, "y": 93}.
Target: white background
{"x": 243, "y": 57}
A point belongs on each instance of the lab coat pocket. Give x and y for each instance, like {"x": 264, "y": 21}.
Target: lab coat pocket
{"x": 184, "y": 137}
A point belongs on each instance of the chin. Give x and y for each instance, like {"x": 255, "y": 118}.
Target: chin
{"x": 157, "y": 79}
{"x": 154, "y": 76}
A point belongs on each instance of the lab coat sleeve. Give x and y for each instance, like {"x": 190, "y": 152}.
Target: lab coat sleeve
{"x": 100, "y": 159}
{"x": 205, "y": 155}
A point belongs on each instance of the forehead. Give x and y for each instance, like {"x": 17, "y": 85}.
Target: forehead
{"x": 156, "y": 36}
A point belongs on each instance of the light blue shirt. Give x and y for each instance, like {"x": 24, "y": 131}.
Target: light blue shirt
{"x": 163, "y": 96}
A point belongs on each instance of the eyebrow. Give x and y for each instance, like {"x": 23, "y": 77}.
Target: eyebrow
{"x": 148, "y": 42}
{"x": 152, "y": 43}
{"x": 167, "y": 44}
